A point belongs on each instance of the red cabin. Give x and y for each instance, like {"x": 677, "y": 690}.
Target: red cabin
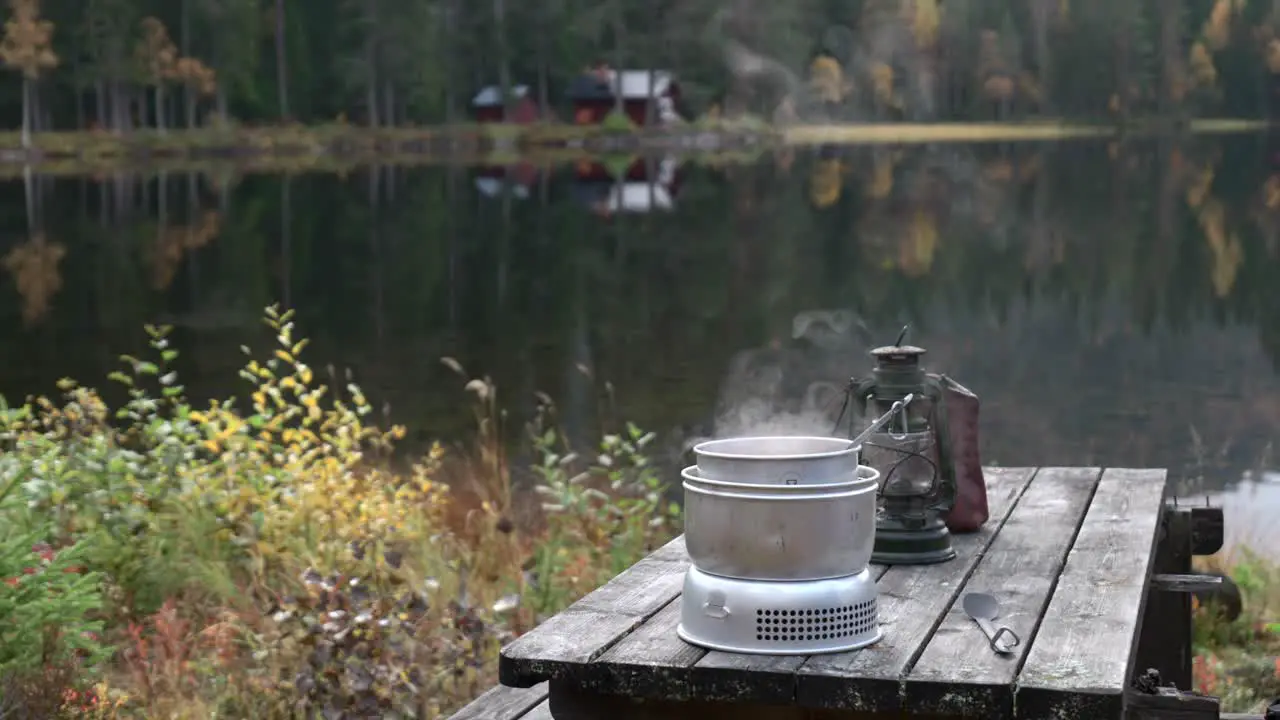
{"x": 487, "y": 106}
{"x": 595, "y": 92}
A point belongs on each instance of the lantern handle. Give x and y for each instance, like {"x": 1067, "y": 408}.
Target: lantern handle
{"x": 902, "y": 335}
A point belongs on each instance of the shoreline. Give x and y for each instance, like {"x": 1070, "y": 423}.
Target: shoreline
{"x": 336, "y": 146}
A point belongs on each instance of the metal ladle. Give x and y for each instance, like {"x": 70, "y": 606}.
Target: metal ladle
{"x": 984, "y": 608}
{"x": 882, "y": 421}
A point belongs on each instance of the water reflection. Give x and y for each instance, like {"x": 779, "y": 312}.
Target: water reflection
{"x": 1112, "y": 303}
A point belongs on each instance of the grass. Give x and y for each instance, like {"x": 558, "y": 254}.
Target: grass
{"x": 339, "y": 145}
{"x": 259, "y": 557}
{"x": 334, "y": 148}
{"x": 1239, "y": 660}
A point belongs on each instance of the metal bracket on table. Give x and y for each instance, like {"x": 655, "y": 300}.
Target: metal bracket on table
{"x": 1207, "y": 525}
{"x": 1189, "y": 583}
{"x": 1150, "y": 700}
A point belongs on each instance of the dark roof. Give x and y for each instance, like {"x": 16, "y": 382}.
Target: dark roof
{"x": 588, "y": 86}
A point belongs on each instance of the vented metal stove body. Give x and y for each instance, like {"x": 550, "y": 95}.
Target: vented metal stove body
{"x": 780, "y": 531}
{"x": 765, "y": 617}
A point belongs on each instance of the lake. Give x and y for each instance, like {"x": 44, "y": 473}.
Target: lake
{"x": 1111, "y": 303}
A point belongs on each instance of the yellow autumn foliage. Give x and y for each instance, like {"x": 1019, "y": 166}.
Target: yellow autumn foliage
{"x": 27, "y": 45}
{"x": 1198, "y": 188}
{"x": 1217, "y": 28}
{"x": 826, "y": 79}
{"x": 826, "y": 182}
{"x": 1203, "y": 71}
{"x": 1225, "y": 247}
{"x": 34, "y": 266}
{"x": 882, "y": 85}
{"x": 918, "y": 244}
{"x": 1273, "y": 56}
{"x": 925, "y": 18}
{"x": 881, "y": 182}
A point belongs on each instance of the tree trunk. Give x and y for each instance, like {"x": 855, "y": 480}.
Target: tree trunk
{"x": 100, "y": 104}
{"x": 222, "y": 103}
{"x": 388, "y": 104}
{"x": 542, "y": 59}
{"x": 447, "y": 48}
{"x": 160, "y": 124}
{"x": 286, "y": 239}
{"x": 190, "y": 97}
{"x": 30, "y": 198}
{"x": 193, "y": 217}
{"x": 282, "y": 69}
{"x": 80, "y": 114}
{"x": 26, "y": 116}
{"x": 371, "y": 59}
{"x": 1040, "y": 15}
{"x": 504, "y": 62}
{"x": 619, "y": 57}
{"x": 375, "y": 241}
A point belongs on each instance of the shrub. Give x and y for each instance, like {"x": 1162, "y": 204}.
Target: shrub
{"x": 1239, "y": 660}
{"x": 261, "y": 558}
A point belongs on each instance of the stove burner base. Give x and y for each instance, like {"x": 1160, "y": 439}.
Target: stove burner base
{"x": 760, "y": 617}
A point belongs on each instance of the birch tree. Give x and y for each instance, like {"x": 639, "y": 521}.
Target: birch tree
{"x": 27, "y": 49}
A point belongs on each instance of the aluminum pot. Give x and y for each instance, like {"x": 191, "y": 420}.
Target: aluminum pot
{"x": 796, "y": 533}
{"x": 866, "y": 475}
{"x": 778, "y": 460}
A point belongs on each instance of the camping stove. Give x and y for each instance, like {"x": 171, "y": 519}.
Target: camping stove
{"x": 779, "y": 531}
{"x": 765, "y": 617}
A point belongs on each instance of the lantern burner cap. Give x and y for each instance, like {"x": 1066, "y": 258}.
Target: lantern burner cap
{"x": 898, "y": 353}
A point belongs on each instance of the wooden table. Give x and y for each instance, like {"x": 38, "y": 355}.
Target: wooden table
{"x": 1069, "y": 552}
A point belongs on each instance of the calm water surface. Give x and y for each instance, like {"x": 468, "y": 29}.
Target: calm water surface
{"x": 1112, "y": 305}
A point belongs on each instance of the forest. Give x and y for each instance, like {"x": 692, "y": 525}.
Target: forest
{"x": 123, "y": 65}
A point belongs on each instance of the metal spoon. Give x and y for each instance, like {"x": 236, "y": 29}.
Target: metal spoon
{"x": 882, "y": 420}
{"x": 984, "y": 608}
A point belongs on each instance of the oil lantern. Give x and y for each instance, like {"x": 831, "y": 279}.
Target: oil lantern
{"x": 913, "y": 455}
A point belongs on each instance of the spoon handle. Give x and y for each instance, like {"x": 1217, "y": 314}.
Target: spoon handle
{"x": 995, "y": 635}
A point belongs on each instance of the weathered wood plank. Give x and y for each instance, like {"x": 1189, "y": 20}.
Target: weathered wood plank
{"x": 541, "y": 711}
{"x": 503, "y": 703}
{"x": 957, "y": 673}
{"x": 1081, "y": 663}
{"x": 651, "y": 662}
{"x": 571, "y": 703}
{"x": 912, "y": 601}
{"x": 755, "y": 679}
{"x": 593, "y": 624}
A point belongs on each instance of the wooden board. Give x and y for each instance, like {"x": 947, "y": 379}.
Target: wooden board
{"x": 651, "y": 662}
{"x": 958, "y": 673}
{"x": 912, "y": 599}
{"x": 1082, "y": 659}
{"x": 542, "y": 711}
{"x": 593, "y": 624}
{"x": 503, "y": 703}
